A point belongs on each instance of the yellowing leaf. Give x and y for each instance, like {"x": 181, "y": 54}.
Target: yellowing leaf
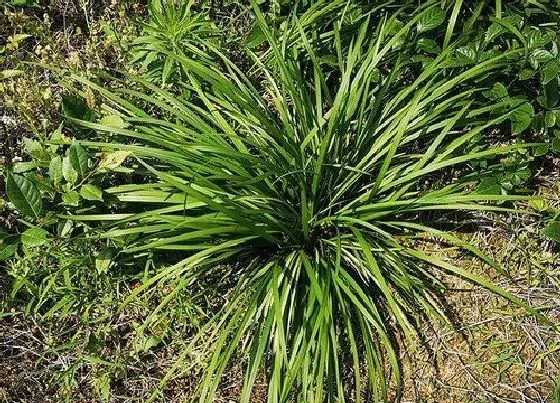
{"x": 112, "y": 160}
{"x": 113, "y": 121}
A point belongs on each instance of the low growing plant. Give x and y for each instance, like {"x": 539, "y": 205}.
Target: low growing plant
{"x": 172, "y": 27}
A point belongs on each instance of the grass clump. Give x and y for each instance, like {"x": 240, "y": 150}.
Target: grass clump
{"x": 316, "y": 195}
{"x": 272, "y": 210}
{"x": 172, "y": 27}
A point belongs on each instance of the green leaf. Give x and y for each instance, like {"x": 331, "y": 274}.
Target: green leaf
{"x": 4, "y": 74}
{"x": 22, "y": 3}
{"x": 255, "y": 38}
{"x": 103, "y": 261}
{"x": 540, "y": 56}
{"x": 76, "y": 108}
{"x": 521, "y": 118}
{"x": 22, "y": 167}
{"x": 550, "y": 118}
{"x": 466, "y": 55}
{"x": 112, "y": 160}
{"x": 550, "y": 71}
{"x": 7, "y": 250}
{"x": 34, "y": 237}
{"x": 540, "y": 150}
{"x": 78, "y": 159}
{"x": 556, "y": 145}
{"x": 489, "y": 186}
{"x": 68, "y": 171}
{"x": 497, "y": 92}
{"x": 91, "y": 192}
{"x": 428, "y": 46}
{"x": 72, "y": 198}
{"x": 24, "y": 195}
{"x": 494, "y": 31}
{"x": 113, "y": 121}
{"x": 552, "y": 230}
{"x": 539, "y": 204}
{"x": 526, "y": 74}
{"x": 431, "y": 19}
{"x": 55, "y": 170}
{"x": 551, "y": 94}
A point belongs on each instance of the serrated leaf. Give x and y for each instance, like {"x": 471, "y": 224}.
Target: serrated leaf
{"x": 466, "y": 55}
{"x": 34, "y": 237}
{"x": 68, "y": 171}
{"x": 431, "y": 19}
{"x": 79, "y": 159}
{"x": 55, "y": 170}
{"x": 72, "y": 198}
{"x": 91, "y": 192}
{"x": 35, "y": 149}
{"x": 112, "y": 160}
{"x": 540, "y": 150}
{"x": 24, "y": 195}
{"x": 521, "y": 118}
{"x": 537, "y": 38}
{"x": 394, "y": 25}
